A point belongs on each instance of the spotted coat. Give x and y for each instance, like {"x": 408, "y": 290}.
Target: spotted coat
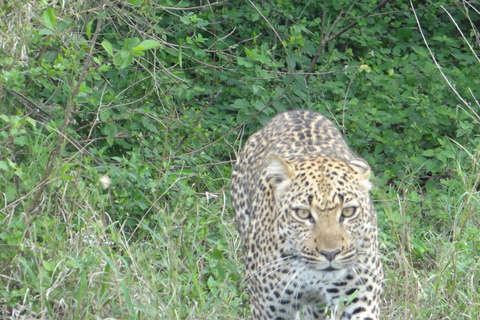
{"x": 308, "y": 227}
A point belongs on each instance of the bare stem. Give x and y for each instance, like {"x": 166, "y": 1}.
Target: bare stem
{"x": 66, "y": 119}
{"x": 327, "y": 38}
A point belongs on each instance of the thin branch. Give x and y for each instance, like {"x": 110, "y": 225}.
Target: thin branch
{"x": 17, "y": 201}
{"x": 345, "y": 100}
{"x": 324, "y": 14}
{"x": 256, "y": 113}
{"x": 324, "y": 40}
{"x": 195, "y": 8}
{"x": 440, "y": 68}
{"x": 66, "y": 119}
{"x": 176, "y": 167}
{"x": 460, "y": 30}
{"x": 198, "y": 119}
{"x": 334, "y": 24}
{"x": 31, "y": 105}
{"x": 327, "y": 39}
{"x": 351, "y": 25}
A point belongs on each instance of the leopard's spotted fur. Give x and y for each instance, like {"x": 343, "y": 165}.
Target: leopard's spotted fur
{"x": 308, "y": 227}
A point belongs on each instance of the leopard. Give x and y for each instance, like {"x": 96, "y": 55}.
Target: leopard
{"x": 307, "y": 224}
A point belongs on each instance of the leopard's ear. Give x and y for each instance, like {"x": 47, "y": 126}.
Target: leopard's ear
{"x": 279, "y": 174}
{"x": 362, "y": 171}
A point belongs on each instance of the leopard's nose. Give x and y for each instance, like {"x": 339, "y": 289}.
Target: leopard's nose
{"x": 330, "y": 255}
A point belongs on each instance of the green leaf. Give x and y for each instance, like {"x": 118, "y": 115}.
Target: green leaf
{"x": 31, "y": 121}
{"x": 232, "y": 267}
{"x": 428, "y": 153}
{"x": 81, "y": 287}
{"x": 131, "y": 43}
{"x": 127, "y": 59}
{"x": 108, "y": 47}
{"x": 418, "y": 246}
{"x": 239, "y": 104}
{"x": 110, "y": 140}
{"x": 10, "y": 192}
{"x": 135, "y": 3}
{"x": 337, "y": 5}
{"x": 147, "y": 44}
{"x": 449, "y": 154}
{"x": 84, "y": 88}
{"x": 110, "y": 130}
{"x": 49, "y": 266}
{"x": 21, "y": 140}
{"x": 259, "y": 105}
{"x": 67, "y": 167}
{"x": 216, "y": 254}
{"x": 242, "y": 116}
{"x": 187, "y": 19}
{"x": 221, "y": 270}
{"x": 127, "y": 298}
{"x": 244, "y": 62}
{"x": 430, "y": 186}
{"x": 4, "y": 166}
{"x": 432, "y": 165}
{"x": 49, "y": 18}
{"x": 62, "y": 25}
{"x": 418, "y": 160}
{"x": 89, "y": 29}
{"x": 46, "y": 32}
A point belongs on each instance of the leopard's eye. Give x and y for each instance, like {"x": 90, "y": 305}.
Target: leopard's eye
{"x": 303, "y": 214}
{"x": 349, "y": 212}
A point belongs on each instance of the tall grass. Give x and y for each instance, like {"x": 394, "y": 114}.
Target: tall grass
{"x": 431, "y": 248}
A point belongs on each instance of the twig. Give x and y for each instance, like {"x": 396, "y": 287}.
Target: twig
{"x": 24, "y": 197}
{"x": 323, "y": 42}
{"x": 256, "y": 113}
{"x": 324, "y": 14}
{"x": 68, "y": 111}
{"x": 281, "y": 13}
{"x": 459, "y": 30}
{"x": 195, "y": 8}
{"x": 327, "y": 38}
{"x": 198, "y": 119}
{"x": 345, "y": 100}
{"x": 30, "y": 104}
{"x": 440, "y": 68}
{"x": 351, "y": 25}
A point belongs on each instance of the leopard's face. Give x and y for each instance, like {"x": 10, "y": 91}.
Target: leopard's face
{"x": 322, "y": 211}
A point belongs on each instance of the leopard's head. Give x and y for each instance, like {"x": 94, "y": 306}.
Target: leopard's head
{"x": 323, "y": 215}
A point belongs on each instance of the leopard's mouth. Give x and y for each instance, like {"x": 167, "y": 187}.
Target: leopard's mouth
{"x": 330, "y": 268}
{"x": 313, "y": 263}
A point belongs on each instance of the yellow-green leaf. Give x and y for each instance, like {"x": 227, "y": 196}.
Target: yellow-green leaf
{"x": 147, "y": 44}
{"x": 49, "y": 18}
{"x": 108, "y": 47}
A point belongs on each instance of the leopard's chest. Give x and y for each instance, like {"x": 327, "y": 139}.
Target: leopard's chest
{"x": 303, "y": 286}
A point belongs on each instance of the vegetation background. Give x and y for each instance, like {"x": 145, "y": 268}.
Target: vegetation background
{"x": 120, "y": 122}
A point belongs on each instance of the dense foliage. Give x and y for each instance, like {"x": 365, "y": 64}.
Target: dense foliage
{"x": 154, "y": 99}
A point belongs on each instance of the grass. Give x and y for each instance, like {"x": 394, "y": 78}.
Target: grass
{"x": 178, "y": 265}
{"x": 431, "y": 248}
{"x": 183, "y": 260}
